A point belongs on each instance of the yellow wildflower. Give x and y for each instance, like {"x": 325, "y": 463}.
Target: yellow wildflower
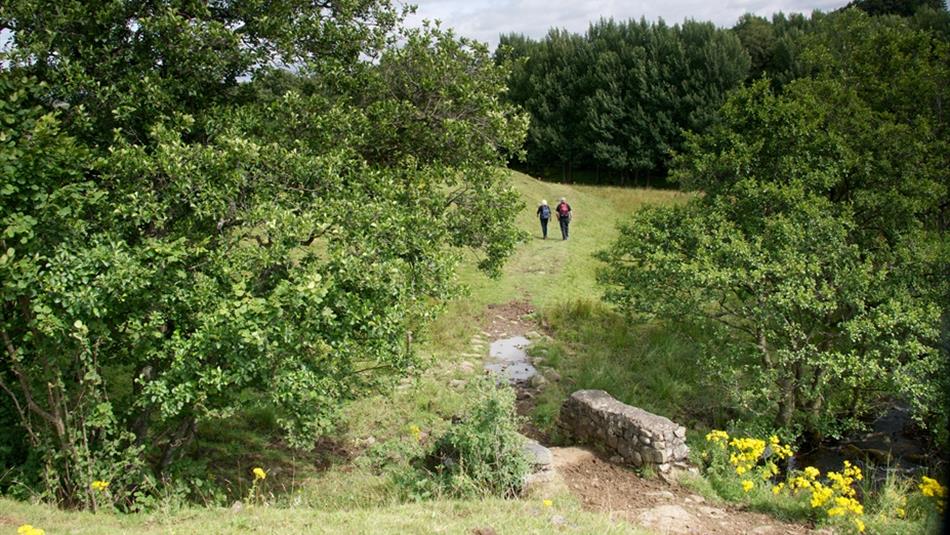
{"x": 932, "y": 488}
{"x": 858, "y": 523}
{"x": 99, "y": 486}
{"x": 812, "y": 473}
{"x": 901, "y": 513}
{"x": 778, "y": 488}
{"x": 415, "y": 431}
{"x": 548, "y": 503}
{"x": 259, "y": 473}
{"x": 747, "y": 485}
{"x": 27, "y": 529}
{"x": 717, "y": 436}
{"x": 820, "y": 495}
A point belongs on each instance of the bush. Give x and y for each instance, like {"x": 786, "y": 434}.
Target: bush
{"x": 481, "y": 453}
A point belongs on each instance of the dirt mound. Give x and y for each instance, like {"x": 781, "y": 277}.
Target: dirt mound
{"x": 654, "y": 504}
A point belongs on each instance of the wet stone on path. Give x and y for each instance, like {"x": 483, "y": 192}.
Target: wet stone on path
{"x": 507, "y": 358}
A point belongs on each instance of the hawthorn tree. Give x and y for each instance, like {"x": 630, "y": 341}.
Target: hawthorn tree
{"x": 188, "y": 230}
{"x": 814, "y": 259}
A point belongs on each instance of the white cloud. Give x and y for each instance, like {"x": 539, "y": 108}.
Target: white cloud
{"x": 485, "y": 20}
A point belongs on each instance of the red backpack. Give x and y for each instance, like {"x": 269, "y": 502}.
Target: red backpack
{"x": 563, "y": 209}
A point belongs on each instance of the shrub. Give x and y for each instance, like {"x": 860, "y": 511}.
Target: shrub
{"x": 481, "y": 453}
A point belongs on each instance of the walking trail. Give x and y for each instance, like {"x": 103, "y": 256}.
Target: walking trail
{"x": 599, "y": 485}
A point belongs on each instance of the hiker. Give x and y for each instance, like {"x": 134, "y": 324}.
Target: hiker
{"x": 544, "y": 214}
{"x": 563, "y": 211}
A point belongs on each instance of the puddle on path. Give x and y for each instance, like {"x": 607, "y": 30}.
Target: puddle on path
{"x": 507, "y": 357}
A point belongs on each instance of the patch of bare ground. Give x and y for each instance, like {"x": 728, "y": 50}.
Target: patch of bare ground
{"x": 654, "y": 504}
{"x": 509, "y": 319}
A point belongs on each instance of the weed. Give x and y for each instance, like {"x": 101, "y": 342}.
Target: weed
{"x": 482, "y": 453}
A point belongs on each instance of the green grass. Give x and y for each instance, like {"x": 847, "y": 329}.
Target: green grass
{"x": 547, "y": 272}
{"x": 444, "y": 516}
{"x": 650, "y": 366}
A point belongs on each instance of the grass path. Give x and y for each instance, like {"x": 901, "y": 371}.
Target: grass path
{"x": 547, "y": 272}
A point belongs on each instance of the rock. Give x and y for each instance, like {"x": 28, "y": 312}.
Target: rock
{"x": 666, "y": 519}
{"x": 237, "y": 506}
{"x": 762, "y": 530}
{"x": 664, "y": 494}
{"x": 680, "y": 452}
{"x": 695, "y": 498}
{"x": 558, "y": 520}
{"x": 457, "y": 383}
{"x": 466, "y": 367}
{"x": 483, "y": 531}
{"x": 532, "y": 335}
{"x": 636, "y": 459}
{"x": 537, "y": 454}
{"x": 538, "y": 381}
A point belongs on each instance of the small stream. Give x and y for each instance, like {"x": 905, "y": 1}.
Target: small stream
{"x": 507, "y": 358}
{"x": 892, "y": 445}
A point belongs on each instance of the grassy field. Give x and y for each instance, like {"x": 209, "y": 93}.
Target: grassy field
{"x": 440, "y": 516}
{"x": 552, "y": 271}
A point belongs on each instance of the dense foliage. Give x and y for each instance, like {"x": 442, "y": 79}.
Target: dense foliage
{"x": 188, "y": 231}
{"x": 617, "y": 100}
{"x": 619, "y": 97}
{"x": 482, "y": 453}
{"x": 814, "y": 261}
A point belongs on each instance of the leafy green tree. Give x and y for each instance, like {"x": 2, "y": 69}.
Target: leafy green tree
{"x": 188, "y": 233}
{"x": 758, "y": 37}
{"x": 903, "y": 8}
{"x": 814, "y": 260}
{"x": 620, "y": 96}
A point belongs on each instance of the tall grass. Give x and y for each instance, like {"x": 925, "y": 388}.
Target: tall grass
{"x": 653, "y": 367}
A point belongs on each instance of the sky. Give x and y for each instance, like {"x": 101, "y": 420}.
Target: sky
{"x": 485, "y": 20}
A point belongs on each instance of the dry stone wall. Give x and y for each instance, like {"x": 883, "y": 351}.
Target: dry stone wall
{"x": 630, "y": 435}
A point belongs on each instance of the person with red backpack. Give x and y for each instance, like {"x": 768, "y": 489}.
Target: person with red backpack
{"x": 544, "y": 214}
{"x": 563, "y": 212}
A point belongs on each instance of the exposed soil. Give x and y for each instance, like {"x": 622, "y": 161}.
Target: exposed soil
{"x": 509, "y": 320}
{"x": 654, "y": 504}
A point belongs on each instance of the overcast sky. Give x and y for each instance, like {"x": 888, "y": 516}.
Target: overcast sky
{"x": 485, "y": 20}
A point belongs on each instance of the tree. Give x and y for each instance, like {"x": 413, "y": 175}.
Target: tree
{"x": 620, "y": 96}
{"x": 903, "y": 8}
{"x": 813, "y": 261}
{"x": 188, "y": 233}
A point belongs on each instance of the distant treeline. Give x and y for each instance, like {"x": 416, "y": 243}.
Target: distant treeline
{"x": 612, "y": 105}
